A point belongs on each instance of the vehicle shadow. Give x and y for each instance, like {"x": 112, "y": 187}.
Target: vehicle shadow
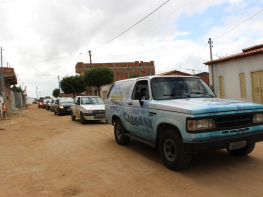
{"x": 204, "y": 163}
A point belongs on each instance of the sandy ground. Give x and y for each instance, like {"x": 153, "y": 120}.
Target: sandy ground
{"x": 42, "y": 154}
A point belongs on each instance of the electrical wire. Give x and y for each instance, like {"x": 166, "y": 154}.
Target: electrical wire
{"x": 5, "y": 1}
{"x": 50, "y": 59}
{"x": 238, "y": 25}
{"x": 132, "y": 26}
{"x": 24, "y": 54}
{"x": 121, "y": 45}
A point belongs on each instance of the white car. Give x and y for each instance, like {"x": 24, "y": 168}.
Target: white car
{"x": 88, "y": 108}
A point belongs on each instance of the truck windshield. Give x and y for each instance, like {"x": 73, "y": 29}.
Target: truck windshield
{"x": 180, "y": 87}
{"x": 91, "y": 100}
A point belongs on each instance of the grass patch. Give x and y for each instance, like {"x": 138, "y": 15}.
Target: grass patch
{"x": 2, "y": 129}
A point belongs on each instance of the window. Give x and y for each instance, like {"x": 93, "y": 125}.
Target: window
{"x": 148, "y": 73}
{"x": 142, "y": 86}
{"x": 164, "y": 88}
{"x": 120, "y": 89}
{"x": 242, "y": 85}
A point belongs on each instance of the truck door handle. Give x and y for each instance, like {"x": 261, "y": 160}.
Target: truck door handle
{"x": 130, "y": 103}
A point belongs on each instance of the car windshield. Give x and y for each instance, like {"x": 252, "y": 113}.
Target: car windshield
{"x": 91, "y": 100}
{"x": 180, "y": 87}
{"x": 66, "y": 100}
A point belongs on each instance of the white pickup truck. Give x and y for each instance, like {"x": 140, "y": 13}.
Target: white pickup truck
{"x": 88, "y": 108}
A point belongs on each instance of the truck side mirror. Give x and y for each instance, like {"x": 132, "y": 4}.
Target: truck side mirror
{"x": 138, "y": 96}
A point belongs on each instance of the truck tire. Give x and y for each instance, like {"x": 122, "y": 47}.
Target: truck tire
{"x": 82, "y": 119}
{"x": 72, "y": 116}
{"x": 118, "y": 133}
{"x": 171, "y": 151}
{"x": 242, "y": 151}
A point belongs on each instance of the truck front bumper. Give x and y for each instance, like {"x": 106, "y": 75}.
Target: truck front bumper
{"x": 194, "y": 147}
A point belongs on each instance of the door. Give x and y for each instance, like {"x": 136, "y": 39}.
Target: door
{"x": 76, "y": 111}
{"x": 221, "y": 86}
{"x": 138, "y": 118}
{"x": 257, "y": 86}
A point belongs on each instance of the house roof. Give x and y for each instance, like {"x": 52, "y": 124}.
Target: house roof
{"x": 254, "y": 50}
{"x": 9, "y": 74}
{"x": 172, "y": 72}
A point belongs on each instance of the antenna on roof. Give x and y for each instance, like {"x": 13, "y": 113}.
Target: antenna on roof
{"x": 194, "y": 70}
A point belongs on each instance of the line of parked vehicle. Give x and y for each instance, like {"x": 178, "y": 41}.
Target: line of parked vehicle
{"x": 84, "y": 107}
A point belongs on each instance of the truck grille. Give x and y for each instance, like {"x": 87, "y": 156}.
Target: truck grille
{"x": 235, "y": 120}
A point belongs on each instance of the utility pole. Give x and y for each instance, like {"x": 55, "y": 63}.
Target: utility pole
{"x": 90, "y": 64}
{"x": 36, "y": 91}
{"x": 211, "y": 59}
{"x": 2, "y": 88}
{"x": 59, "y": 85}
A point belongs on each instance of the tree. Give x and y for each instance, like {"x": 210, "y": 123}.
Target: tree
{"x": 98, "y": 77}
{"x": 55, "y": 92}
{"x": 79, "y": 83}
{"x": 18, "y": 89}
{"x": 73, "y": 84}
{"x": 134, "y": 75}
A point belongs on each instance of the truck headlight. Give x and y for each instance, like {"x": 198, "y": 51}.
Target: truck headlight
{"x": 89, "y": 111}
{"x": 258, "y": 118}
{"x": 61, "y": 107}
{"x": 204, "y": 124}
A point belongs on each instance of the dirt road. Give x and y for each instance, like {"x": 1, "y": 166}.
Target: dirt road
{"x": 42, "y": 154}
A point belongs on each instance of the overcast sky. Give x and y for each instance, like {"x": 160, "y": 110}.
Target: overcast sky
{"x": 43, "y": 39}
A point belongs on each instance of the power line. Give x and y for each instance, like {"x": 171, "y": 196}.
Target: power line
{"x": 131, "y": 26}
{"x": 5, "y": 1}
{"x": 121, "y": 45}
{"x": 238, "y": 25}
{"x": 51, "y": 59}
{"x": 24, "y": 54}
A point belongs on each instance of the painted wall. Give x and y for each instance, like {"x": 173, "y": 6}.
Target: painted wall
{"x": 230, "y": 71}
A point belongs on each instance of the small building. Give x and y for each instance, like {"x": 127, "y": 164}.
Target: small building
{"x": 239, "y": 76}
{"x": 9, "y": 78}
{"x": 121, "y": 70}
{"x": 203, "y": 75}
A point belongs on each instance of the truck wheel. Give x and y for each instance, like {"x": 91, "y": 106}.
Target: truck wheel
{"x": 118, "y": 133}
{"x": 171, "y": 151}
{"x": 242, "y": 151}
{"x": 82, "y": 119}
{"x": 72, "y": 116}
{"x": 59, "y": 114}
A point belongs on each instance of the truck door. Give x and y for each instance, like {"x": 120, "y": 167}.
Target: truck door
{"x": 138, "y": 117}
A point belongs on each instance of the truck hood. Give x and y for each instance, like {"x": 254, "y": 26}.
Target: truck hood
{"x": 94, "y": 107}
{"x": 203, "y": 105}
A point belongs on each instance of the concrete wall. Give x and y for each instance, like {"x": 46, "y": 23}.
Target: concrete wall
{"x": 230, "y": 71}
{"x": 16, "y": 100}
{"x": 105, "y": 90}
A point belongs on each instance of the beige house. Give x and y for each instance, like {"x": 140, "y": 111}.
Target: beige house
{"x": 239, "y": 76}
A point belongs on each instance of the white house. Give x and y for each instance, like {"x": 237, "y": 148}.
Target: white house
{"x": 239, "y": 76}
